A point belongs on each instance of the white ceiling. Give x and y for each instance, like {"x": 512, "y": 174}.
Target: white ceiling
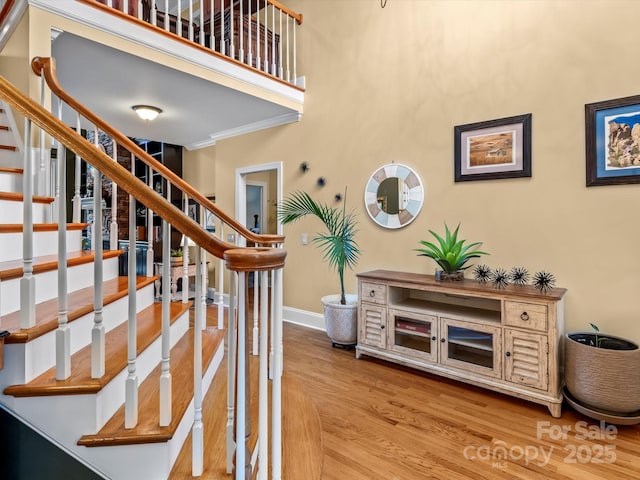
{"x": 195, "y": 111}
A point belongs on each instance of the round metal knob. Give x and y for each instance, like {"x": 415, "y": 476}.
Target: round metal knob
{"x": 382, "y": 327}
{"x": 372, "y": 293}
{"x": 443, "y": 340}
{"x": 524, "y": 316}
{"x": 433, "y": 338}
{"x": 508, "y": 354}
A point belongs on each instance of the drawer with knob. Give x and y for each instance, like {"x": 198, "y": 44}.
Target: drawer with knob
{"x": 373, "y": 293}
{"x": 526, "y": 315}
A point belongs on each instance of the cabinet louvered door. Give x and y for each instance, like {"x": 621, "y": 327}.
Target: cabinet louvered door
{"x": 526, "y": 359}
{"x": 373, "y": 321}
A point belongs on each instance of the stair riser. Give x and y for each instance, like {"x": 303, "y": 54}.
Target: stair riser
{"x": 44, "y": 243}
{"x": 10, "y": 159}
{"x": 151, "y": 460}
{"x": 89, "y": 412}
{"x": 10, "y": 182}
{"x": 26, "y": 361}
{"x": 11, "y": 212}
{"x": 7, "y": 137}
{"x": 79, "y": 276}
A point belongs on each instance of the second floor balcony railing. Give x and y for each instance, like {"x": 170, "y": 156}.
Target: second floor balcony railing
{"x": 260, "y": 34}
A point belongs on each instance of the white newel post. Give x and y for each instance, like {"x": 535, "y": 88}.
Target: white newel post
{"x": 63, "y": 333}
{"x": 256, "y": 289}
{"x": 28, "y": 281}
{"x": 241, "y": 386}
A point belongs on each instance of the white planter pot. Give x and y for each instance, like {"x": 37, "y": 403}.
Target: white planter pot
{"x": 341, "y": 321}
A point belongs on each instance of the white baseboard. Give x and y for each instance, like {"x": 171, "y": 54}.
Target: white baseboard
{"x": 303, "y": 318}
{"x": 291, "y": 315}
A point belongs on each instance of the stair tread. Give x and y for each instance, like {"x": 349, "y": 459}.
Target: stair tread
{"x": 148, "y": 429}
{"x": 19, "y": 197}
{"x": 18, "y": 171}
{"x": 44, "y": 263}
{"x": 8, "y": 147}
{"x": 149, "y": 327}
{"x": 4, "y": 127}
{"x": 79, "y": 304}
{"x": 39, "y": 227}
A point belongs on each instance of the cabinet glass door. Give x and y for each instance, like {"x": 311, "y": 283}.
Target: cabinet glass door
{"x": 413, "y": 334}
{"x": 471, "y": 347}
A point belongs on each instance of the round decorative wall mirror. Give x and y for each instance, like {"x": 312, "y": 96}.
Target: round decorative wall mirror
{"x": 394, "y": 195}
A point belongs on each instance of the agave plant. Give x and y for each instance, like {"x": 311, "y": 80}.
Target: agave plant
{"x": 450, "y": 253}
{"x": 338, "y": 244}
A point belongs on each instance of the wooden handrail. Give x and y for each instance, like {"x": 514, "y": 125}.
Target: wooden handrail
{"x": 272, "y": 257}
{"x": 288, "y": 11}
{"x": 4, "y": 13}
{"x": 47, "y": 66}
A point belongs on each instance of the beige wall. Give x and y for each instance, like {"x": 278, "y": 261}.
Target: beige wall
{"x": 390, "y": 84}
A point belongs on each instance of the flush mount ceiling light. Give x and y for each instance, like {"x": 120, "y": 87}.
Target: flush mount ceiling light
{"x": 147, "y": 112}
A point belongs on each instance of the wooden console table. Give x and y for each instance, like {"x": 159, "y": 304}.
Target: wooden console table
{"x": 176, "y": 271}
{"x": 506, "y": 339}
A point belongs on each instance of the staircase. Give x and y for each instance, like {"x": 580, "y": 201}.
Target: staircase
{"x": 85, "y": 415}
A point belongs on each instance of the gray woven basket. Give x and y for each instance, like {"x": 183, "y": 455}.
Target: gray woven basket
{"x": 602, "y": 378}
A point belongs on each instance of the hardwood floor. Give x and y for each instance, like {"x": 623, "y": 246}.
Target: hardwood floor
{"x": 370, "y": 420}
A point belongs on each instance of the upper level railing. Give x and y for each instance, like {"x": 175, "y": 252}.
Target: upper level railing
{"x": 260, "y": 34}
{"x": 264, "y": 259}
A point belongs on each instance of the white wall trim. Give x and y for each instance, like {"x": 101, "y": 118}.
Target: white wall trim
{"x": 244, "y": 129}
{"x": 303, "y": 318}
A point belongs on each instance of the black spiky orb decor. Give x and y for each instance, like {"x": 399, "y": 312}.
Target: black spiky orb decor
{"x": 500, "y": 278}
{"x": 519, "y": 275}
{"x": 482, "y": 273}
{"x": 544, "y": 281}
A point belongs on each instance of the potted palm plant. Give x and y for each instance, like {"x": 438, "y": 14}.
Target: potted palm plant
{"x": 340, "y": 250}
{"x": 450, "y": 254}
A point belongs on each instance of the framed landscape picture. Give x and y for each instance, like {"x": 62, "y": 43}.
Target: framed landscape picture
{"x": 493, "y": 149}
{"x": 612, "y": 133}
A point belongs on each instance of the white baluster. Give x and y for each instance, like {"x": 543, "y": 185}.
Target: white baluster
{"x": 28, "y": 281}
{"x": 250, "y": 46}
{"x": 232, "y": 328}
{"x": 258, "y": 59}
{"x": 63, "y": 333}
{"x": 273, "y": 42}
{"x": 113, "y": 230}
{"x": 191, "y": 32}
{"x": 42, "y": 170}
{"x": 241, "y": 33}
{"x": 295, "y": 61}
{"x": 280, "y": 71}
{"x": 263, "y": 380}
{"x": 165, "y": 376}
{"x": 197, "y": 434}
{"x": 140, "y": 9}
{"x": 97, "y": 333}
{"x": 178, "y": 18}
{"x": 287, "y": 35}
{"x": 254, "y": 338}
{"x": 232, "y": 43}
{"x": 154, "y": 14}
{"x": 276, "y": 387}
{"x": 131, "y": 383}
{"x": 222, "y": 35}
{"x": 272, "y": 325}
{"x": 150, "y": 227}
{"x": 185, "y": 258}
{"x": 125, "y": 6}
{"x": 220, "y": 300}
{"x": 166, "y": 15}
{"x": 77, "y": 202}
